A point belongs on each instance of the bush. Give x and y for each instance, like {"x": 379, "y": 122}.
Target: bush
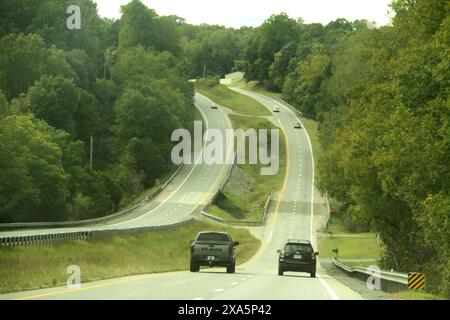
{"x": 210, "y": 81}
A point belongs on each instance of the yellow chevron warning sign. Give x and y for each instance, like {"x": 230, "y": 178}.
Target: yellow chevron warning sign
{"x": 416, "y": 280}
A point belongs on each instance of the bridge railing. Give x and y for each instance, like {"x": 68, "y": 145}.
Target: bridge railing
{"x": 12, "y": 241}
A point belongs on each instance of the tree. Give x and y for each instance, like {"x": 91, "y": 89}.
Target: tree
{"x": 303, "y": 85}
{"x": 271, "y": 37}
{"x": 6, "y": 108}
{"x": 24, "y": 59}
{"x": 32, "y": 170}
{"x": 63, "y": 105}
{"x": 137, "y": 26}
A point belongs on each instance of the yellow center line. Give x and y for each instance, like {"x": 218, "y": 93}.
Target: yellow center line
{"x": 48, "y": 294}
{"x": 266, "y": 241}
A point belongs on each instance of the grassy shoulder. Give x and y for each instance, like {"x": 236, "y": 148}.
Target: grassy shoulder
{"x": 34, "y": 267}
{"x": 255, "y": 87}
{"x": 233, "y": 100}
{"x": 414, "y": 295}
{"x": 350, "y": 245}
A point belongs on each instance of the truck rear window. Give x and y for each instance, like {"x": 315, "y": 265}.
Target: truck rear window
{"x": 297, "y": 247}
{"x": 213, "y": 237}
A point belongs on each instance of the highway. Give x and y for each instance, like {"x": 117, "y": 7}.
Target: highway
{"x": 191, "y": 188}
{"x": 299, "y": 211}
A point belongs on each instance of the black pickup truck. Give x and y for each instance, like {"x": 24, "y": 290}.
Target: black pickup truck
{"x": 213, "y": 249}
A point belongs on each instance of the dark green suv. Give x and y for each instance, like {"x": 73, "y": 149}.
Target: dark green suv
{"x": 297, "y": 255}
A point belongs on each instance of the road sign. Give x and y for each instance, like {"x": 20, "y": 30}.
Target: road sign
{"x": 416, "y": 280}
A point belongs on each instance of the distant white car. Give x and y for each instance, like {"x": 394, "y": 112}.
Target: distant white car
{"x": 214, "y": 106}
{"x": 276, "y": 109}
{"x": 297, "y": 125}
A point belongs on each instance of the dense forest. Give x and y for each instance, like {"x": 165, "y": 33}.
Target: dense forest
{"x": 379, "y": 94}
{"x": 121, "y": 82}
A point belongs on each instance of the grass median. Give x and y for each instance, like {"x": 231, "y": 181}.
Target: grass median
{"x": 247, "y": 191}
{"x": 237, "y": 102}
{"x": 246, "y": 203}
{"x": 34, "y": 267}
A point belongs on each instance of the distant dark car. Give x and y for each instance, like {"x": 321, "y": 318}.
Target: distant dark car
{"x": 213, "y": 249}
{"x": 213, "y": 106}
{"x": 297, "y": 125}
{"x": 297, "y": 255}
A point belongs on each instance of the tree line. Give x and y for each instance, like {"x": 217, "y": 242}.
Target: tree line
{"x": 121, "y": 82}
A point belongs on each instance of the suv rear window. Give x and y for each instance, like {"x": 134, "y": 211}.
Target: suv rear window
{"x": 298, "y": 247}
{"x": 213, "y": 237}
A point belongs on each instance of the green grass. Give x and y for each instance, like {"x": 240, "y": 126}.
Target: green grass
{"x": 137, "y": 198}
{"x": 250, "y": 205}
{"x": 247, "y": 207}
{"x": 34, "y": 267}
{"x": 364, "y": 247}
{"x": 255, "y": 86}
{"x": 414, "y": 295}
{"x": 350, "y": 245}
{"x": 311, "y": 127}
{"x": 238, "y": 103}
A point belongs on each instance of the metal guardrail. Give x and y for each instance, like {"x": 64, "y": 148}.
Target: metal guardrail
{"x": 390, "y": 281}
{"x": 80, "y": 223}
{"x": 80, "y": 235}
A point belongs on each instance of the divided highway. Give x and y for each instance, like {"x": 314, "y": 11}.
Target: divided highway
{"x": 298, "y": 212}
{"x": 191, "y": 188}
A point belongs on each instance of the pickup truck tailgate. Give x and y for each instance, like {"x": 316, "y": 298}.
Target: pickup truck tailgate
{"x": 211, "y": 249}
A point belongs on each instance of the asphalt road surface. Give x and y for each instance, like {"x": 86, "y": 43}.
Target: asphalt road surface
{"x": 296, "y": 215}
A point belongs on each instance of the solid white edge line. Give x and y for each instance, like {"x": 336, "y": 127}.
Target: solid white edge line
{"x": 327, "y": 287}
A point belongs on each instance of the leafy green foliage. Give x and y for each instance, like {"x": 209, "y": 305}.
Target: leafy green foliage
{"x": 52, "y": 102}
{"x": 32, "y": 169}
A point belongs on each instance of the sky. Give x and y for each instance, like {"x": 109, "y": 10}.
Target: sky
{"x": 237, "y": 13}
